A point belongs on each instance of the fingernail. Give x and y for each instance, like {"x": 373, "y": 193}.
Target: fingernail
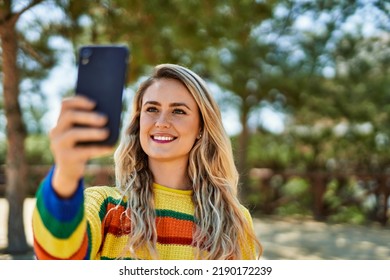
{"x": 102, "y": 116}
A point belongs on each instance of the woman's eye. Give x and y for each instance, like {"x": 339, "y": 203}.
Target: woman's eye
{"x": 151, "y": 109}
{"x": 179, "y": 111}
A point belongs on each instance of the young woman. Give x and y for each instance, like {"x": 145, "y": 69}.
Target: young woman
{"x": 176, "y": 182}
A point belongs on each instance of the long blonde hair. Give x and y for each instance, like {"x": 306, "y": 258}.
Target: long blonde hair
{"x": 221, "y": 225}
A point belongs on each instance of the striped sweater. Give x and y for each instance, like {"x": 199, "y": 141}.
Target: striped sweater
{"x": 92, "y": 225}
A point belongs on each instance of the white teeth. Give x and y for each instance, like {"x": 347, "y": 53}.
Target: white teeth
{"x": 163, "y": 138}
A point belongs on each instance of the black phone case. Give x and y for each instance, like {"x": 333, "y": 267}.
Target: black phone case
{"x": 101, "y": 77}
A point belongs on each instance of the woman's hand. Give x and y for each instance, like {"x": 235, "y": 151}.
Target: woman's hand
{"x": 71, "y": 159}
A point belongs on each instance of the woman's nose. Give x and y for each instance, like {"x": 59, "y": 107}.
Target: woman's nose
{"x": 162, "y": 121}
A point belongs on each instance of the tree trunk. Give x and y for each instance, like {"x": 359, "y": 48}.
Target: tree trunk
{"x": 16, "y": 165}
{"x": 242, "y": 151}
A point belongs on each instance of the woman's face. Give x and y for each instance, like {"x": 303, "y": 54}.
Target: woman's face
{"x": 169, "y": 121}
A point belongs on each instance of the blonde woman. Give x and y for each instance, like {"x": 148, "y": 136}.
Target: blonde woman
{"x": 176, "y": 182}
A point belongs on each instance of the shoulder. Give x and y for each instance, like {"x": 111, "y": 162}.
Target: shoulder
{"x": 102, "y": 194}
{"x": 246, "y": 213}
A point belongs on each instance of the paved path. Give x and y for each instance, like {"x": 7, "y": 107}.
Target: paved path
{"x": 311, "y": 240}
{"x": 288, "y": 239}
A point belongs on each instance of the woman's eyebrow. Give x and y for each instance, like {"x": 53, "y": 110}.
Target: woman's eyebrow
{"x": 174, "y": 104}
{"x": 179, "y": 104}
{"x": 152, "y": 103}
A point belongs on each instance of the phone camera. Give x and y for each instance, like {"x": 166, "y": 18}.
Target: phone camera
{"x": 85, "y": 55}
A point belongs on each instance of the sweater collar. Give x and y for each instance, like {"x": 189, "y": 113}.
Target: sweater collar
{"x": 163, "y": 188}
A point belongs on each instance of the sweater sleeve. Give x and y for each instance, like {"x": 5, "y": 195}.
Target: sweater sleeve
{"x": 248, "y": 246}
{"x": 59, "y": 225}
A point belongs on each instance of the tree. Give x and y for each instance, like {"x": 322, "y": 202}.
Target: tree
{"x": 342, "y": 81}
{"x": 335, "y": 85}
{"x": 146, "y": 26}
{"x": 17, "y": 48}
{"x": 16, "y": 167}
{"x": 195, "y": 34}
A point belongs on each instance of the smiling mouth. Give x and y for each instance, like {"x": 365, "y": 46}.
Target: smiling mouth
{"x": 163, "y": 139}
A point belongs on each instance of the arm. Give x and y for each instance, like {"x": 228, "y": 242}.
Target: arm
{"x": 59, "y": 225}
{"x": 67, "y": 228}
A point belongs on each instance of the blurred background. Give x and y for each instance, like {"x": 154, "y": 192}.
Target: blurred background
{"x": 304, "y": 89}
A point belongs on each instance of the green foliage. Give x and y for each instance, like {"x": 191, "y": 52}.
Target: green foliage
{"x": 352, "y": 215}
{"x": 296, "y": 187}
{"x": 3, "y": 150}
{"x": 332, "y": 83}
{"x": 278, "y": 152}
{"x": 343, "y": 201}
{"x": 299, "y": 202}
{"x": 38, "y": 150}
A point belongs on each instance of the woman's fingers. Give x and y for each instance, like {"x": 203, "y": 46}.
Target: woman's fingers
{"x": 77, "y": 123}
{"x": 71, "y": 118}
{"x": 94, "y": 151}
{"x": 75, "y": 135}
{"x": 77, "y": 102}
{"x": 77, "y": 110}
{"x": 79, "y": 155}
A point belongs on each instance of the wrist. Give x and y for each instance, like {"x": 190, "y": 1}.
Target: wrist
{"x": 63, "y": 184}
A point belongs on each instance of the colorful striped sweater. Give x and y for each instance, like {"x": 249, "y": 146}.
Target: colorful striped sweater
{"x": 89, "y": 226}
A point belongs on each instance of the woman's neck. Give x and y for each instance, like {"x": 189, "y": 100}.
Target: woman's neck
{"x": 171, "y": 174}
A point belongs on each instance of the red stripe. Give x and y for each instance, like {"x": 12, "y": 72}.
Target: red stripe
{"x": 166, "y": 226}
{"x": 172, "y": 227}
{"x": 174, "y": 240}
{"x": 42, "y": 254}
{"x": 116, "y": 221}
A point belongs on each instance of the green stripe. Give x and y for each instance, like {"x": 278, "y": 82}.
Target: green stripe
{"x": 174, "y": 214}
{"x": 103, "y": 206}
{"x": 58, "y": 229}
{"x": 88, "y": 256}
{"x": 107, "y": 258}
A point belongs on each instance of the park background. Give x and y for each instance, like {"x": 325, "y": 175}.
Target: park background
{"x": 304, "y": 89}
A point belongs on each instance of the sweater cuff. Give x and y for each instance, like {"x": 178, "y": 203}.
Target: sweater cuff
{"x": 63, "y": 209}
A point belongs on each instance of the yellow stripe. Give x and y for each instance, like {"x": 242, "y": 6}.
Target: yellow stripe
{"x": 161, "y": 187}
{"x": 103, "y": 192}
{"x": 173, "y": 201}
{"x": 114, "y": 245}
{"x": 175, "y": 252}
{"x": 247, "y": 246}
{"x": 114, "y": 248}
{"x": 59, "y": 248}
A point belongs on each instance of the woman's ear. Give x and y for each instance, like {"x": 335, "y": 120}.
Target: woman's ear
{"x": 199, "y": 135}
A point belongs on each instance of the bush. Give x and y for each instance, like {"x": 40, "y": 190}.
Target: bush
{"x": 38, "y": 150}
{"x": 298, "y": 198}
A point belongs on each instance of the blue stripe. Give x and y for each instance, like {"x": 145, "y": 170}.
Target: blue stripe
{"x": 63, "y": 209}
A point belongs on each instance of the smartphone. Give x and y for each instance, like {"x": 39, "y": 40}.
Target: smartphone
{"x": 101, "y": 76}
